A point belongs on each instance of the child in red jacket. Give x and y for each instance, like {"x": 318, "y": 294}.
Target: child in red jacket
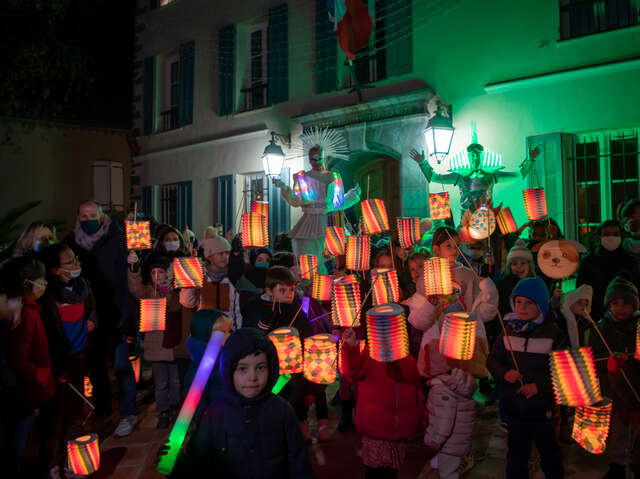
{"x": 389, "y": 406}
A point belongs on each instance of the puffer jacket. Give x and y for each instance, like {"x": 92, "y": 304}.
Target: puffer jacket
{"x": 452, "y": 412}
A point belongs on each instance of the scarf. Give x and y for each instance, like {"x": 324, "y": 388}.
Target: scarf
{"x": 87, "y": 242}
{"x": 520, "y": 326}
{"x": 72, "y": 292}
{"x": 215, "y": 274}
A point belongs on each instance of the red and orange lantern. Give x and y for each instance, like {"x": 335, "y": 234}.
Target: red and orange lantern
{"x": 535, "y": 203}
{"x": 334, "y": 240}
{"x": 591, "y": 426}
{"x": 345, "y": 302}
{"x": 83, "y": 454}
{"x": 385, "y": 286}
{"x": 506, "y": 222}
{"x": 439, "y": 206}
{"x": 188, "y": 272}
{"x": 637, "y": 353}
{"x": 358, "y": 252}
{"x": 387, "y": 333}
{"x": 408, "y": 231}
{"x": 308, "y": 265}
{"x": 437, "y": 277}
{"x": 320, "y": 355}
{"x": 374, "y": 214}
{"x": 289, "y": 348}
{"x": 260, "y": 207}
{"x": 458, "y": 336}
{"x": 138, "y": 235}
{"x": 321, "y": 287}
{"x": 135, "y": 365}
{"x": 88, "y": 387}
{"x": 573, "y": 374}
{"x": 254, "y": 230}
{"x": 153, "y": 314}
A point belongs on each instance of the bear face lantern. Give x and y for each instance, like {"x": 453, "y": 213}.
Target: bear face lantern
{"x": 289, "y": 348}
{"x": 558, "y": 259}
{"x": 320, "y": 355}
{"x": 573, "y": 374}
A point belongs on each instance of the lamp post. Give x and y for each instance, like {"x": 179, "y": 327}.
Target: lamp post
{"x": 438, "y": 135}
{"x": 272, "y": 158}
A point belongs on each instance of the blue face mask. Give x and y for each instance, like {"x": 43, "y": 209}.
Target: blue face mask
{"x": 262, "y": 265}
{"x": 37, "y": 246}
{"x": 90, "y": 226}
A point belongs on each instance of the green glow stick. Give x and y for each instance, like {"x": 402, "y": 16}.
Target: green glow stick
{"x": 282, "y": 382}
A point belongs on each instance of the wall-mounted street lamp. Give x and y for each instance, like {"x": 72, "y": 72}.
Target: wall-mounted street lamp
{"x": 273, "y": 156}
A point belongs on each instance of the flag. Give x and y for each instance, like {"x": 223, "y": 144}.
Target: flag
{"x": 352, "y": 24}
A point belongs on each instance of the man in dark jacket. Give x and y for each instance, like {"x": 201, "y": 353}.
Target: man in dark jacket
{"x": 100, "y": 246}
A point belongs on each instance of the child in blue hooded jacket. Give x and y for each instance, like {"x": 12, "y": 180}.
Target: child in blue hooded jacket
{"x": 527, "y": 394}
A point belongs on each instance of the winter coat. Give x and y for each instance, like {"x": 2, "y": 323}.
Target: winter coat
{"x": 257, "y": 438}
{"x": 389, "y": 402}
{"x": 452, "y": 412}
{"x": 576, "y": 328}
{"x": 280, "y": 316}
{"x": 29, "y": 357}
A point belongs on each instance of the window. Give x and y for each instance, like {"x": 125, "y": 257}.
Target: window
{"x": 255, "y": 90}
{"x": 256, "y": 188}
{"x": 585, "y": 17}
{"x": 176, "y": 204}
{"x": 170, "y": 99}
{"x": 108, "y": 185}
{"x": 369, "y": 64}
{"x": 588, "y": 187}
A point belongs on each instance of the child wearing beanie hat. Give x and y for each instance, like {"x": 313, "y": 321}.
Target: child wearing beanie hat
{"x": 519, "y": 265}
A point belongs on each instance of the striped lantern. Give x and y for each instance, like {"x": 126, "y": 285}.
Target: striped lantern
{"x": 637, "y": 353}
{"x": 308, "y": 265}
{"x": 535, "y": 203}
{"x": 374, "y": 214}
{"x": 573, "y": 374}
{"x": 591, "y": 426}
{"x": 138, "y": 235}
{"x": 439, "y": 206}
{"x": 334, "y": 240}
{"x": 321, "y": 287}
{"x": 135, "y": 365}
{"x": 345, "y": 302}
{"x": 408, "y": 231}
{"x": 458, "y": 336}
{"x": 437, "y": 277}
{"x": 483, "y": 223}
{"x": 385, "y": 286}
{"x": 506, "y": 222}
{"x": 88, "y": 387}
{"x": 83, "y": 454}
{"x": 153, "y": 314}
{"x": 187, "y": 273}
{"x": 260, "y": 207}
{"x": 289, "y": 348}
{"x": 387, "y": 333}
{"x": 320, "y": 358}
{"x": 358, "y": 252}
{"x": 254, "y": 230}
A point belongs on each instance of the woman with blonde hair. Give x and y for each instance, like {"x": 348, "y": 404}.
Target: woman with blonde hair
{"x": 34, "y": 238}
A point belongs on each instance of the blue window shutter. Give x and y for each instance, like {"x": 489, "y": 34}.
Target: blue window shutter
{"x": 225, "y": 202}
{"x": 149, "y": 95}
{"x": 146, "y": 201}
{"x": 185, "y": 205}
{"x": 398, "y": 37}
{"x": 186, "y": 83}
{"x": 326, "y": 50}
{"x": 279, "y": 210}
{"x": 226, "y": 69}
{"x": 278, "y": 54}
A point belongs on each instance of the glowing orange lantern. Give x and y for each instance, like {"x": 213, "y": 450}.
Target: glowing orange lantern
{"x": 375, "y": 217}
{"x": 260, "y": 207}
{"x": 88, "y": 387}
{"x": 439, "y": 206}
{"x": 458, "y": 336}
{"x": 535, "y": 204}
{"x": 153, "y": 314}
{"x": 506, "y": 222}
{"x": 573, "y": 374}
{"x": 254, "y": 230}
{"x": 187, "y": 273}
{"x": 138, "y": 234}
{"x": 345, "y": 302}
{"x": 483, "y": 223}
{"x": 83, "y": 454}
{"x": 358, "y": 252}
{"x": 135, "y": 365}
{"x": 385, "y": 286}
{"x": 591, "y": 426}
{"x": 321, "y": 287}
{"x": 408, "y": 231}
{"x": 289, "y": 348}
{"x": 437, "y": 277}
{"x": 637, "y": 354}
{"x": 334, "y": 240}
{"x": 320, "y": 358}
{"x": 308, "y": 265}
{"x": 387, "y": 333}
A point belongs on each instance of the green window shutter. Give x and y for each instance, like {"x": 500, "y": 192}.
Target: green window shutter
{"x": 225, "y": 201}
{"x": 226, "y": 69}
{"x": 399, "y": 37}
{"x": 186, "y": 83}
{"x": 278, "y": 54}
{"x": 279, "y": 210}
{"x": 326, "y": 49}
{"x": 185, "y": 205}
{"x": 149, "y": 95}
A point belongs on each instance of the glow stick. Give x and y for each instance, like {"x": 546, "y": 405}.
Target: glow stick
{"x": 280, "y": 383}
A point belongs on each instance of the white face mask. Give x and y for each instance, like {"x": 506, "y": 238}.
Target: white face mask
{"x": 172, "y": 245}
{"x": 610, "y": 243}
{"x": 72, "y": 273}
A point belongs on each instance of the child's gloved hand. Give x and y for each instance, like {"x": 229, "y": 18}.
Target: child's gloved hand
{"x": 511, "y": 376}
{"x": 614, "y": 363}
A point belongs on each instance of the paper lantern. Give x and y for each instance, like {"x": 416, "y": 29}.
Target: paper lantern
{"x": 458, "y": 336}
{"x": 387, "y": 333}
{"x": 135, "y": 365}
{"x": 506, "y": 222}
{"x": 289, "y": 348}
{"x": 591, "y": 426}
{"x": 187, "y": 273}
{"x": 260, "y": 207}
{"x": 334, "y": 240}
{"x": 320, "y": 358}
{"x": 153, "y": 314}
{"x": 335, "y": 218}
{"x": 483, "y": 223}
{"x": 573, "y": 374}
{"x": 88, "y": 387}
{"x": 321, "y": 287}
{"x": 308, "y": 265}
{"x": 408, "y": 231}
{"x": 385, "y": 286}
{"x": 439, "y": 206}
{"x": 374, "y": 214}
{"x": 558, "y": 259}
{"x": 345, "y": 302}
{"x": 83, "y": 454}
{"x": 637, "y": 354}
{"x": 358, "y": 252}
{"x": 254, "y": 230}
{"x": 437, "y": 277}
{"x": 535, "y": 203}
{"x": 138, "y": 234}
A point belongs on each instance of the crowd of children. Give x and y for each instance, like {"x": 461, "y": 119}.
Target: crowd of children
{"x": 68, "y": 314}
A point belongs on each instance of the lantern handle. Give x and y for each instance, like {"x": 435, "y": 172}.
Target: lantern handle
{"x": 73, "y": 388}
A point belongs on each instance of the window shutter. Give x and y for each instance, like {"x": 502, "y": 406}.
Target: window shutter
{"x": 186, "y": 83}
{"x": 225, "y": 201}
{"x": 185, "y": 206}
{"x": 399, "y": 37}
{"x": 149, "y": 95}
{"x": 326, "y": 49}
{"x": 146, "y": 201}
{"x": 226, "y": 69}
{"x": 153, "y": 4}
{"x": 279, "y": 211}
{"x": 278, "y": 54}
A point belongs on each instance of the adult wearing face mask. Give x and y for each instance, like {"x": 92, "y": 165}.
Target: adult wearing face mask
{"x": 259, "y": 263}
{"x": 100, "y": 245}
{"x": 604, "y": 263}
{"x": 170, "y": 242}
